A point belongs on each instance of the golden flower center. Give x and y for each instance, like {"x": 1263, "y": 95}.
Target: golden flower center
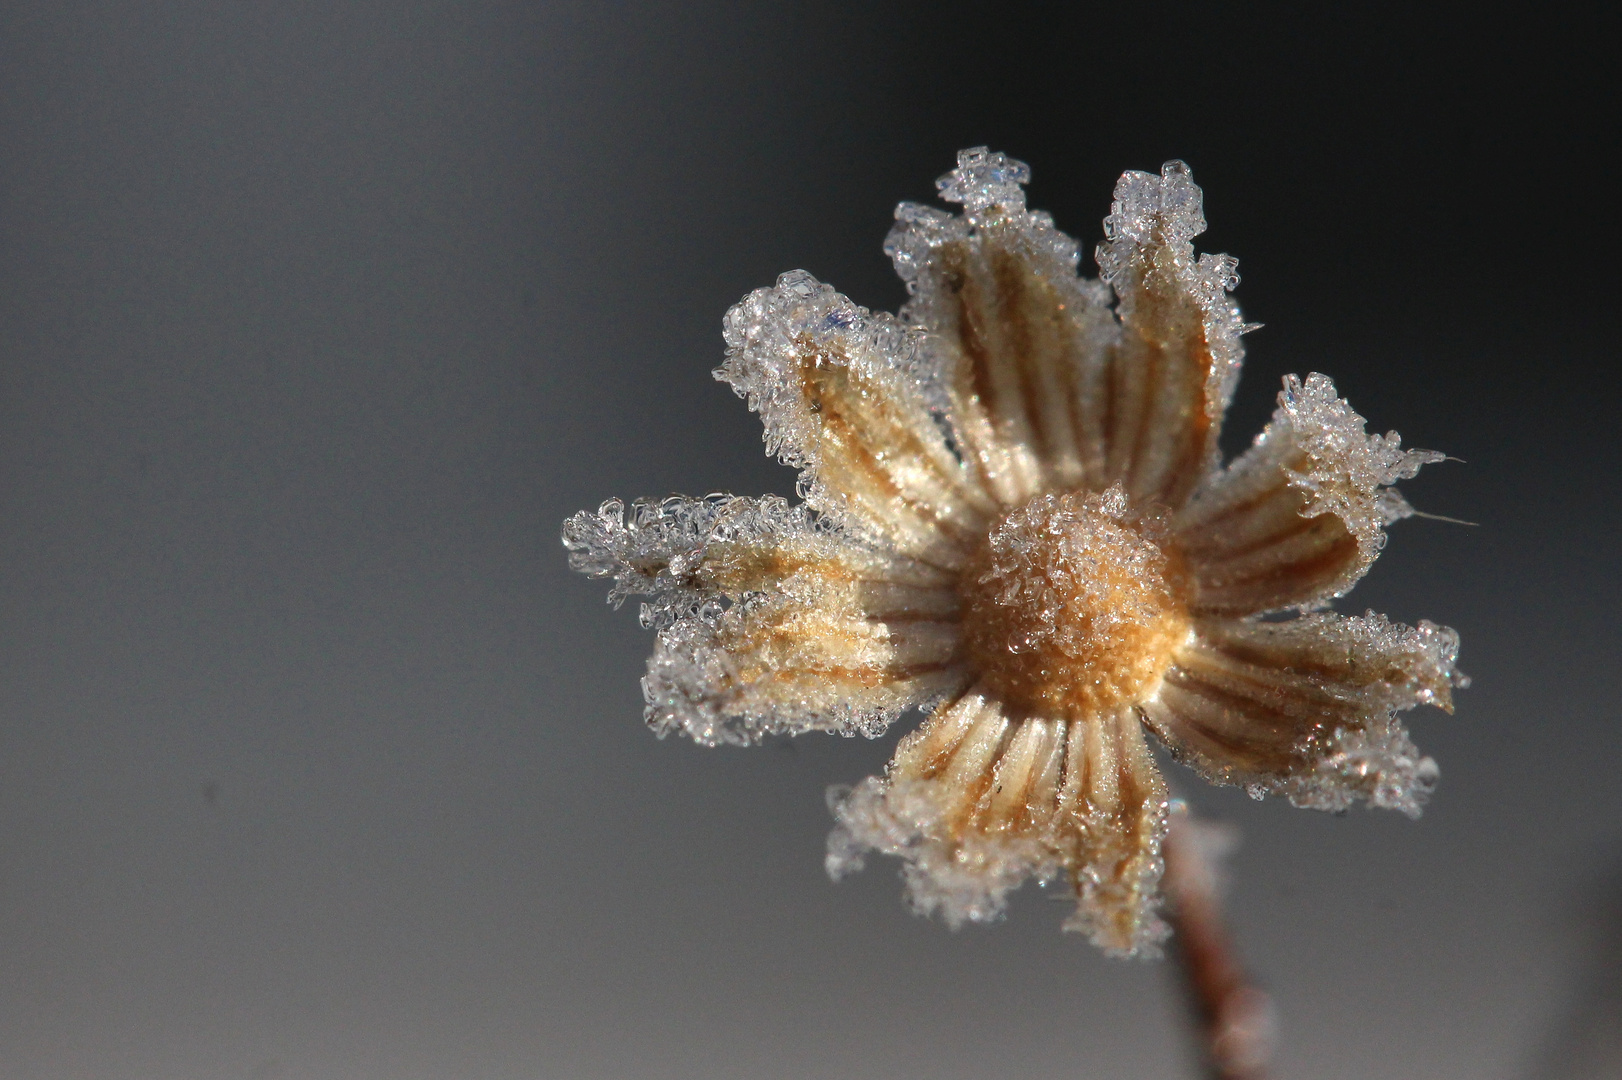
{"x": 1074, "y": 604}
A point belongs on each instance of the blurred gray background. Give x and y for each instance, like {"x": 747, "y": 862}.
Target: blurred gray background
{"x": 316, "y": 319}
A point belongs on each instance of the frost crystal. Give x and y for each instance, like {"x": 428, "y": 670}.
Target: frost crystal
{"x": 983, "y": 179}
{"x": 1015, "y": 521}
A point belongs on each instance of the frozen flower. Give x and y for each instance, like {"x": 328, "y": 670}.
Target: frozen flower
{"x": 1015, "y": 519}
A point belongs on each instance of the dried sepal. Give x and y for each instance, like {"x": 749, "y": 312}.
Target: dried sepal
{"x": 1015, "y": 337}
{"x": 1298, "y": 517}
{"x": 776, "y": 664}
{"x": 834, "y": 387}
{"x": 1177, "y": 359}
{"x": 978, "y": 800}
{"x": 1307, "y": 708}
{"x": 769, "y": 621}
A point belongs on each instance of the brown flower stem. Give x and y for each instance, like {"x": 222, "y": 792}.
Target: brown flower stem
{"x": 1235, "y": 1018}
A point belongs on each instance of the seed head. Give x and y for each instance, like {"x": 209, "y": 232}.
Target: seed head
{"x": 1015, "y": 521}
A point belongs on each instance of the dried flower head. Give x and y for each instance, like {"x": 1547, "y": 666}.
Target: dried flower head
{"x": 1015, "y": 519}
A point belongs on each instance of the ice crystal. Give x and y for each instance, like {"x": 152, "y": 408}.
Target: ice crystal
{"x": 1015, "y": 520}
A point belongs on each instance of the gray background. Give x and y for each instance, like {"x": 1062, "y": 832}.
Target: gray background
{"x": 317, "y": 318}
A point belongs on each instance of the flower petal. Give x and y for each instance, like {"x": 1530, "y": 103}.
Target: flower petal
{"x": 835, "y": 388}
{"x": 1047, "y": 389}
{"x": 1307, "y": 708}
{"x": 770, "y": 622}
{"x": 977, "y": 801}
{"x": 1175, "y": 365}
{"x": 1300, "y": 516}
{"x": 1018, "y": 341}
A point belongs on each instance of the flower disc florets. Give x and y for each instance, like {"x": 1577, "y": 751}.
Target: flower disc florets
{"x": 1074, "y": 605}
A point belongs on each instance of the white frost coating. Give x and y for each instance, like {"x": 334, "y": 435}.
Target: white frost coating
{"x": 769, "y": 335}
{"x": 693, "y": 688}
{"x": 655, "y": 549}
{"x": 1347, "y": 472}
{"x": 1151, "y": 227}
{"x": 1384, "y": 668}
{"x": 1319, "y": 446}
{"x": 995, "y": 216}
{"x": 989, "y": 187}
{"x": 699, "y": 676}
{"x": 966, "y": 881}
{"x": 1377, "y": 761}
{"x": 1062, "y": 559}
{"x": 772, "y": 334}
{"x": 969, "y": 879}
{"x": 984, "y": 179}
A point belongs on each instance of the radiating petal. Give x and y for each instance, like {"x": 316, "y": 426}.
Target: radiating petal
{"x": 1307, "y": 708}
{"x": 837, "y": 390}
{"x": 1299, "y": 517}
{"x": 977, "y": 801}
{"x": 1174, "y": 366}
{"x": 770, "y": 622}
{"x": 1048, "y": 388}
{"x": 1017, "y": 339}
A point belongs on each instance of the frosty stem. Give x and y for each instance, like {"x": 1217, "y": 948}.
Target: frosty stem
{"x": 1235, "y": 1019}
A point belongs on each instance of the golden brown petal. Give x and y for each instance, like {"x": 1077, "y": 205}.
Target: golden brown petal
{"x": 1173, "y": 368}
{"x": 1047, "y": 390}
{"x": 1020, "y": 342}
{"x": 1301, "y": 515}
{"x": 832, "y": 385}
{"x": 1307, "y": 708}
{"x": 769, "y": 622}
{"x": 978, "y": 800}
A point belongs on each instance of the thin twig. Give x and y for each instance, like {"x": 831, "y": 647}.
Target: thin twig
{"x": 1235, "y": 1018}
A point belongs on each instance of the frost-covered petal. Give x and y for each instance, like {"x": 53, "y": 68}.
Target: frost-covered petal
{"x": 776, "y": 665}
{"x": 977, "y": 801}
{"x": 1173, "y": 369}
{"x": 1017, "y": 340}
{"x": 1308, "y": 708}
{"x": 837, "y": 389}
{"x": 769, "y": 621}
{"x": 1299, "y": 517}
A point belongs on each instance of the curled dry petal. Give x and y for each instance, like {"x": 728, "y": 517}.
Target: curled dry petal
{"x": 830, "y": 382}
{"x": 979, "y": 799}
{"x": 1178, "y": 358}
{"x": 1307, "y": 708}
{"x": 1300, "y": 516}
{"x": 1047, "y": 388}
{"x": 768, "y": 622}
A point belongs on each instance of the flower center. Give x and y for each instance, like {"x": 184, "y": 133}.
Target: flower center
{"x": 1074, "y": 604}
